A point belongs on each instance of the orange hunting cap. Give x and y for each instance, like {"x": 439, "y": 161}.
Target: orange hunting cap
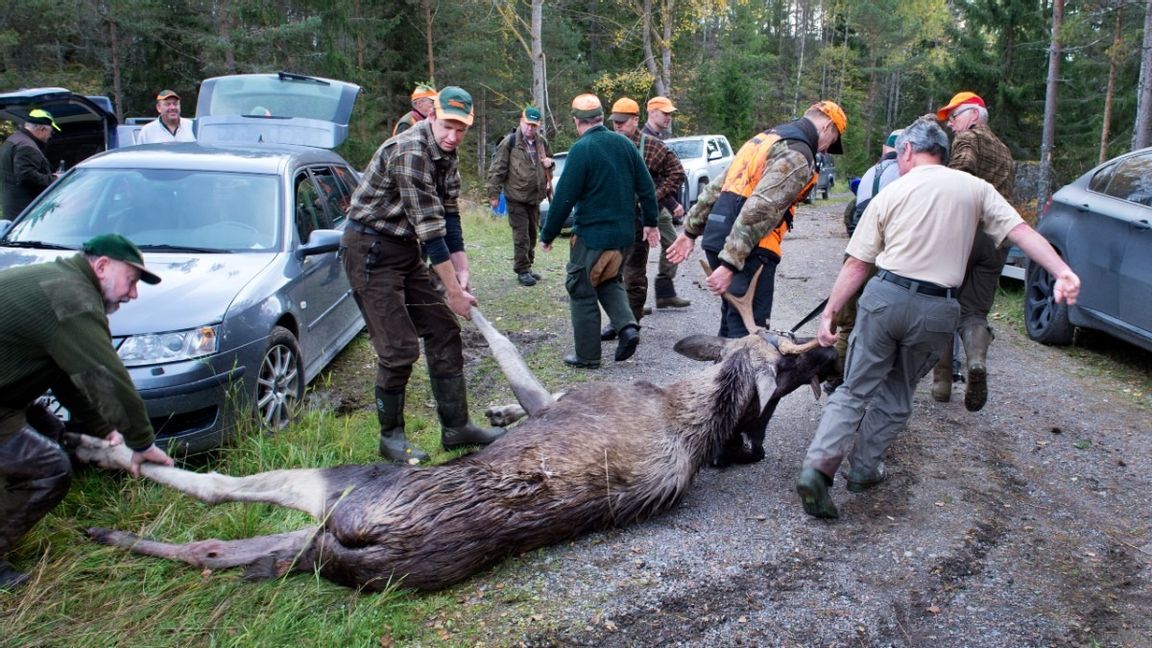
{"x": 586, "y": 106}
{"x": 423, "y": 91}
{"x": 625, "y": 109}
{"x": 959, "y": 99}
{"x": 663, "y": 104}
{"x": 839, "y": 120}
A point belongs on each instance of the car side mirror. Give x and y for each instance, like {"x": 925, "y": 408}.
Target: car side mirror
{"x": 321, "y": 241}
{"x": 5, "y": 224}
{"x": 714, "y": 155}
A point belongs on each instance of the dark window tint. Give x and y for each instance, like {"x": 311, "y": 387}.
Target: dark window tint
{"x": 1131, "y": 180}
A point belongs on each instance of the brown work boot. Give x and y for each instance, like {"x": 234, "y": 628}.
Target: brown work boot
{"x": 942, "y": 376}
{"x": 675, "y": 301}
{"x": 976, "y": 339}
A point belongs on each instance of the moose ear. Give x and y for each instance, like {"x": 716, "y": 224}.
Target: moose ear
{"x": 701, "y": 347}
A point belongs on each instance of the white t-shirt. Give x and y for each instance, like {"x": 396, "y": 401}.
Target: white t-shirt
{"x": 155, "y": 132}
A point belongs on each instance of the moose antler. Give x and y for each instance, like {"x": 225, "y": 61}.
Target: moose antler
{"x": 743, "y": 305}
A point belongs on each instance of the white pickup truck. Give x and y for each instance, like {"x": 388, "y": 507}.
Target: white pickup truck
{"x": 704, "y": 157}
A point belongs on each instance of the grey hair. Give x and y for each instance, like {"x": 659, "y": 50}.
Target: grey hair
{"x": 925, "y": 136}
{"x": 589, "y": 121}
{"x": 982, "y": 113}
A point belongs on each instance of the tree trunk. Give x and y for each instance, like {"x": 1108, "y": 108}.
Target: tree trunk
{"x": 1142, "y": 132}
{"x": 539, "y": 75}
{"x": 117, "y": 79}
{"x": 1049, "y": 132}
{"x": 1113, "y": 64}
{"x": 428, "y": 14}
{"x": 666, "y": 47}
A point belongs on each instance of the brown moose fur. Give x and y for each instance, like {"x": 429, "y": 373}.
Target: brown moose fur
{"x": 604, "y": 455}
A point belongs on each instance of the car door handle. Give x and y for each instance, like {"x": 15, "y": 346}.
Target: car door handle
{"x": 1142, "y": 224}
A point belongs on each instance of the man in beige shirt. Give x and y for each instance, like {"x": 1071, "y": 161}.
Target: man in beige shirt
{"x": 917, "y": 233}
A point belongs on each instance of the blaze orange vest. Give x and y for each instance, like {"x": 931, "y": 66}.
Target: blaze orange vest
{"x": 743, "y": 175}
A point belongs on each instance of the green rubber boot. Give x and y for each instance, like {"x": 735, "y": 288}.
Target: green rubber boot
{"x": 394, "y": 444}
{"x": 456, "y": 429}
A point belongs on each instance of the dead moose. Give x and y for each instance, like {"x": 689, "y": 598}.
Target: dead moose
{"x": 603, "y": 455}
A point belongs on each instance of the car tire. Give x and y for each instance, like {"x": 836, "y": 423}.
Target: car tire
{"x": 280, "y": 380}
{"x": 1045, "y": 319}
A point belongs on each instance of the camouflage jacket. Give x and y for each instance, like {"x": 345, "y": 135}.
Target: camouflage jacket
{"x": 786, "y": 174}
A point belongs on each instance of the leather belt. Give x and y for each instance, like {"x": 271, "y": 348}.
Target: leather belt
{"x": 357, "y": 226}
{"x": 922, "y": 287}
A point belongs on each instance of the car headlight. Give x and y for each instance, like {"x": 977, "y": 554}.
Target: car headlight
{"x": 156, "y": 348}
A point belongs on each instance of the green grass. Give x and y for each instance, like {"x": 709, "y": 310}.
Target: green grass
{"x": 84, "y": 594}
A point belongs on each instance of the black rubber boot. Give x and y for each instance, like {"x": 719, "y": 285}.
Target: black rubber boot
{"x": 37, "y": 475}
{"x": 456, "y": 430}
{"x": 10, "y": 579}
{"x": 394, "y": 444}
{"x": 976, "y": 339}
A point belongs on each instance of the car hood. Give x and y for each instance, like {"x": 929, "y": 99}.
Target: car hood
{"x": 194, "y": 289}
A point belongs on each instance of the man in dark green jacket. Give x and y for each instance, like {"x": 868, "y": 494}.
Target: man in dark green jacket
{"x": 54, "y": 335}
{"x": 604, "y": 178}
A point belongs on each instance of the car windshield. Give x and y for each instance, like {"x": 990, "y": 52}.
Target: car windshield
{"x": 687, "y": 148}
{"x": 157, "y": 208}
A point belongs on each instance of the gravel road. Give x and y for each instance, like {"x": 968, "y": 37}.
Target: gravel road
{"x": 1025, "y": 524}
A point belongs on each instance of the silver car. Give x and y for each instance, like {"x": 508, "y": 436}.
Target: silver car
{"x": 1101, "y": 224}
{"x": 243, "y": 227}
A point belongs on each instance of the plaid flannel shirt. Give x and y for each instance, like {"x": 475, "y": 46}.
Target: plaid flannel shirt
{"x": 408, "y": 187}
{"x": 978, "y": 151}
{"x": 664, "y": 167}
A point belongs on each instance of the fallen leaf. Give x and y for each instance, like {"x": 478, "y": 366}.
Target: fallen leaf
{"x": 934, "y": 609}
{"x": 939, "y": 503}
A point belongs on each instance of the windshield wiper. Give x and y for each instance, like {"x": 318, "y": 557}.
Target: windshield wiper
{"x": 181, "y": 248}
{"x": 36, "y": 244}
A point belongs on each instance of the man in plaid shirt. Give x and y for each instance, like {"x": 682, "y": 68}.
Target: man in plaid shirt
{"x": 977, "y": 151}
{"x": 405, "y": 209}
{"x": 667, "y": 175}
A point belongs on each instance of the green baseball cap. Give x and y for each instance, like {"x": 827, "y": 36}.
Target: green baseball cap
{"x": 532, "y": 115}
{"x": 115, "y": 246}
{"x": 454, "y": 103}
{"x": 41, "y": 117}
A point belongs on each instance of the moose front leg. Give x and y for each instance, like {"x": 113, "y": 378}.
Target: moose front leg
{"x": 302, "y": 489}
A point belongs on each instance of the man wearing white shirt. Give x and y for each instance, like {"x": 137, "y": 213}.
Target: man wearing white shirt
{"x": 169, "y": 126}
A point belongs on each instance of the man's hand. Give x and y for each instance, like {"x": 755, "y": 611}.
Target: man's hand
{"x": 827, "y": 333}
{"x": 1067, "y": 288}
{"x": 151, "y": 455}
{"x": 547, "y": 247}
{"x": 494, "y": 202}
{"x": 678, "y": 212}
{"x": 652, "y": 236}
{"x": 461, "y": 303}
{"x": 464, "y": 277}
{"x": 114, "y": 438}
{"x": 680, "y": 248}
{"x": 546, "y": 162}
{"x": 719, "y": 280}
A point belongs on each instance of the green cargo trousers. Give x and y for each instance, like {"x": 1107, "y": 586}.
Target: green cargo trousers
{"x": 585, "y": 299}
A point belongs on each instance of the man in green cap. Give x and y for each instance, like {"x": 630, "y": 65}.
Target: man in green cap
{"x": 521, "y": 168}
{"x": 24, "y": 168}
{"x": 54, "y": 335}
{"x": 403, "y": 251}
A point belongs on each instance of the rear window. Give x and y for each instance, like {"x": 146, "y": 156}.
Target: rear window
{"x": 270, "y": 96}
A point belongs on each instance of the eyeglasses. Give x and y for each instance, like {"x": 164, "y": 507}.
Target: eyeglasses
{"x": 957, "y": 113}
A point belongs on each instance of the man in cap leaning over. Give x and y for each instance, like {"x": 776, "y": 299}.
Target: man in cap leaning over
{"x": 744, "y": 214}
{"x": 405, "y": 218}
{"x": 603, "y": 180}
{"x": 54, "y": 335}
{"x": 975, "y": 150}
{"x": 521, "y": 168}
{"x": 25, "y": 171}
{"x": 169, "y": 127}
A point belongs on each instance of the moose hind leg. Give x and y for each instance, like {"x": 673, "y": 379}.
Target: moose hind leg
{"x": 263, "y": 557}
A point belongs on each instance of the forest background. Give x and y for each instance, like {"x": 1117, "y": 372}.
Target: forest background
{"x": 731, "y": 67}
